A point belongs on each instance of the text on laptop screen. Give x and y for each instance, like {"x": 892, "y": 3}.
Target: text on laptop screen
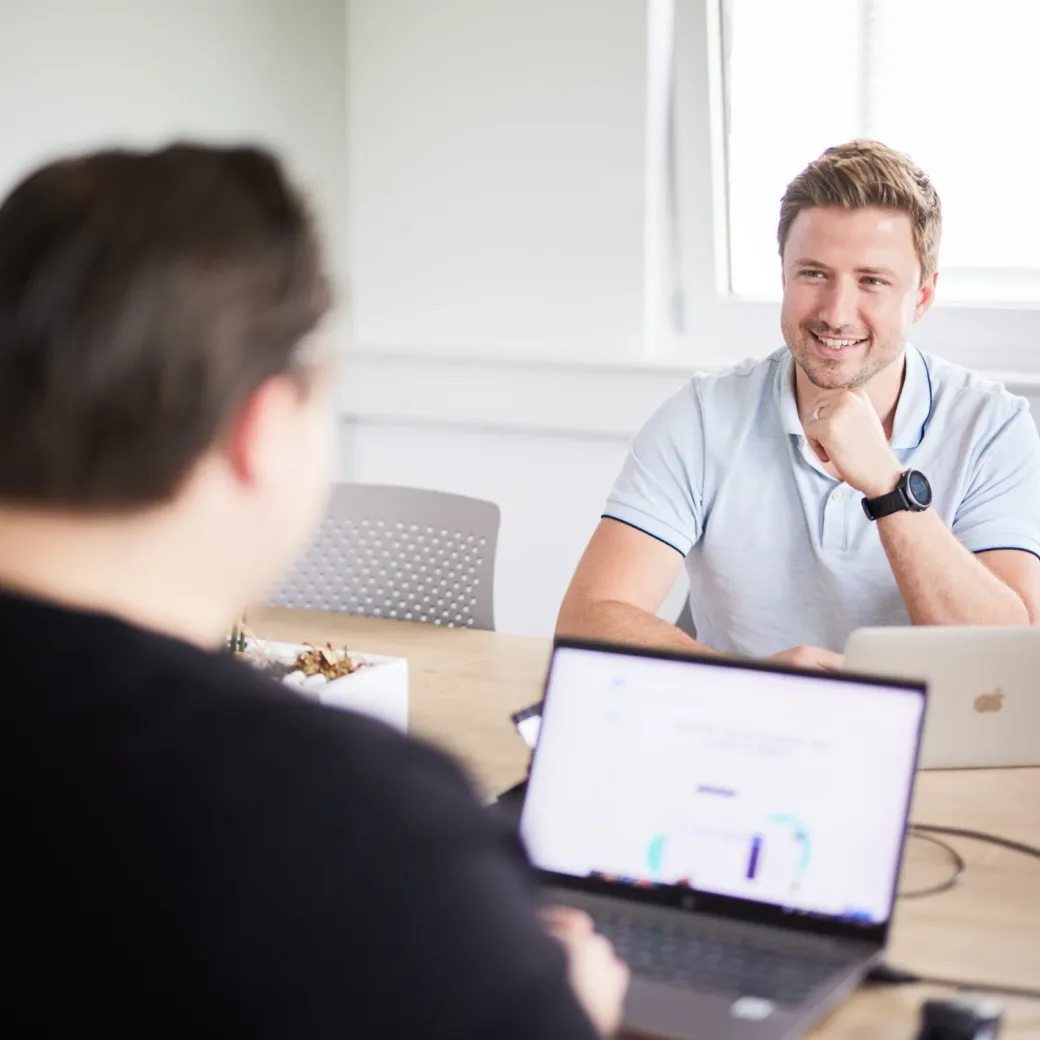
{"x": 777, "y": 788}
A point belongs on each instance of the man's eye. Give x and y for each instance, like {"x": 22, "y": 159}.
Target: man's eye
{"x": 812, "y": 274}
{"x": 874, "y": 282}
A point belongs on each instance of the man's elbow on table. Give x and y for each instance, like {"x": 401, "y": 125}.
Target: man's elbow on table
{"x": 1020, "y": 572}
{"x": 621, "y": 582}
{"x": 582, "y": 618}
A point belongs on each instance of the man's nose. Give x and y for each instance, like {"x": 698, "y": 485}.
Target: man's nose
{"x": 839, "y": 305}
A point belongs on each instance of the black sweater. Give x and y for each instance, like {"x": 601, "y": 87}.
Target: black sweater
{"x": 199, "y": 852}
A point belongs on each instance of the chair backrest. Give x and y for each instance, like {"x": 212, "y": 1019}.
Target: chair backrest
{"x": 402, "y": 553}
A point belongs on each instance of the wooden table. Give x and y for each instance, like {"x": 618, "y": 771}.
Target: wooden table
{"x": 464, "y": 685}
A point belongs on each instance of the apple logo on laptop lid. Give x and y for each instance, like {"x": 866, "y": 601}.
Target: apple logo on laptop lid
{"x": 989, "y": 702}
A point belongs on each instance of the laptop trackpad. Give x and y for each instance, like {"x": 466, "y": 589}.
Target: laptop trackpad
{"x": 656, "y": 1010}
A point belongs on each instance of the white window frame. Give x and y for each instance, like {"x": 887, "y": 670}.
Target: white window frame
{"x": 705, "y": 320}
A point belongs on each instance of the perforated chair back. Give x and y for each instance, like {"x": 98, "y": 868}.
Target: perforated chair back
{"x": 402, "y": 553}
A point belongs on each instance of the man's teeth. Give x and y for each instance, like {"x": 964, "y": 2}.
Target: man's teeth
{"x": 837, "y": 344}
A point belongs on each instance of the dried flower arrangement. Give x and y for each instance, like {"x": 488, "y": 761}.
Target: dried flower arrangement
{"x": 373, "y": 684}
{"x": 325, "y": 661}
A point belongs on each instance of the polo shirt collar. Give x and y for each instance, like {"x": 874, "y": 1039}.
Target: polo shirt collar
{"x": 912, "y": 411}
{"x": 788, "y": 402}
{"x": 915, "y": 402}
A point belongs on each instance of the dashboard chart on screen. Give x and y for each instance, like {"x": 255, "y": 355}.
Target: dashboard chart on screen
{"x": 784, "y": 789}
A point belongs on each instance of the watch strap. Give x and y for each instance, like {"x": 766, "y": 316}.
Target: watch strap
{"x": 884, "y": 505}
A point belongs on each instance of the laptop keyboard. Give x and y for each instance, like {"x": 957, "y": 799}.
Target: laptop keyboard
{"x": 738, "y": 963}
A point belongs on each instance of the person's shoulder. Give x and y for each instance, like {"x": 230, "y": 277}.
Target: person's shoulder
{"x": 728, "y": 399}
{"x": 964, "y": 395}
{"x": 712, "y": 408}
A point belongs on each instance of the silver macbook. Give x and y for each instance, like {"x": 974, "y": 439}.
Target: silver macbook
{"x": 735, "y": 828}
{"x": 983, "y": 689}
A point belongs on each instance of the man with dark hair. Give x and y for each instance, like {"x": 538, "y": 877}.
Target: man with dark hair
{"x": 197, "y": 851}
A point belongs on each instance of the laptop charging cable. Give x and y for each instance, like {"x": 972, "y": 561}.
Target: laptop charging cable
{"x": 991, "y": 839}
{"x": 955, "y": 878}
{"x": 885, "y": 975}
{"x": 927, "y": 832}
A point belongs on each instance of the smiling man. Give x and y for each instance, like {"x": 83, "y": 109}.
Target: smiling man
{"x": 846, "y": 480}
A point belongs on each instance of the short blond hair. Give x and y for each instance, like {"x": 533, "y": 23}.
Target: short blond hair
{"x": 868, "y": 173}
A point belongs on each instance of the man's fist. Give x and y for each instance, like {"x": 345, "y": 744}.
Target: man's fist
{"x": 844, "y": 429}
{"x": 809, "y": 657}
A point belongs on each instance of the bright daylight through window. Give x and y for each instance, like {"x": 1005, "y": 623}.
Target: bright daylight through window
{"x": 951, "y": 82}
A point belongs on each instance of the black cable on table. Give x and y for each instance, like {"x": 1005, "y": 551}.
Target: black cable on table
{"x": 959, "y": 867}
{"x": 925, "y": 832}
{"x": 992, "y": 839}
{"x": 884, "y": 975}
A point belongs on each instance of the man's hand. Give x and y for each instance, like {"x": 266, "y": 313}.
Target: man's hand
{"x": 845, "y": 430}
{"x": 598, "y": 978}
{"x": 810, "y": 657}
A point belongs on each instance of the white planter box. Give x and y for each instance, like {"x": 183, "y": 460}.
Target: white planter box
{"x": 380, "y": 689}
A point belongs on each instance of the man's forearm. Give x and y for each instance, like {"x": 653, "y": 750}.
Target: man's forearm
{"x": 941, "y": 582}
{"x": 618, "y": 622}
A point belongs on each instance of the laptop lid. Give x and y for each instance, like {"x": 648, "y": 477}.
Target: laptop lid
{"x": 983, "y": 710}
{"x": 756, "y": 791}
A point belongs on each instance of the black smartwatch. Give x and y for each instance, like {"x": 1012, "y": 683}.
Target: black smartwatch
{"x": 913, "y": 493}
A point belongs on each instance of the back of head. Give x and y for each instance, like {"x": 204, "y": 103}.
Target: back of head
{"x": 864, "y": 173}
{"x": 143, "y": 298}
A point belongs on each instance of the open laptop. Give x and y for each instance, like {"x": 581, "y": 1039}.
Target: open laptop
{"x": 734, "y": 828}
{"x": 983, "y": 689}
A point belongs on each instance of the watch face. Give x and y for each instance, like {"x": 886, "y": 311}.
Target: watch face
{"x": 919, "y": 488}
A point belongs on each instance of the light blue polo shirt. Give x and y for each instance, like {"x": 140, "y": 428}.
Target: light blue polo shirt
{"x": 781, "y": 554}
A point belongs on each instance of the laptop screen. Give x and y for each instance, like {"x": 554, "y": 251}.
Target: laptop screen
{"x": 783, "y": 789}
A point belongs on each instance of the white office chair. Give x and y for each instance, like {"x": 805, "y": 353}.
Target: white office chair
{"x": 402, "y": 553}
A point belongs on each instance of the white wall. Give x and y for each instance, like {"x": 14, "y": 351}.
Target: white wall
{"x": 496, "y": 175}
{"x": 497, "y": 183}
{"x": 78, "y": 75}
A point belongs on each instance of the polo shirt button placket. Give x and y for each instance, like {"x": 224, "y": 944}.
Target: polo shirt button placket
{"x": 834, "y": 518}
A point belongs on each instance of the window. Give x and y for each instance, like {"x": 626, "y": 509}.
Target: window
{"x": 951, "y": 83}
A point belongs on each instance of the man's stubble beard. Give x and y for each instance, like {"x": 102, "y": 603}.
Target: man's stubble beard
{"x": 876, "y": 359}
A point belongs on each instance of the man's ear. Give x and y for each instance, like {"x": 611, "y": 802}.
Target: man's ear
{"x": 925, "y": 296}
{"x": 256, "y": 423}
